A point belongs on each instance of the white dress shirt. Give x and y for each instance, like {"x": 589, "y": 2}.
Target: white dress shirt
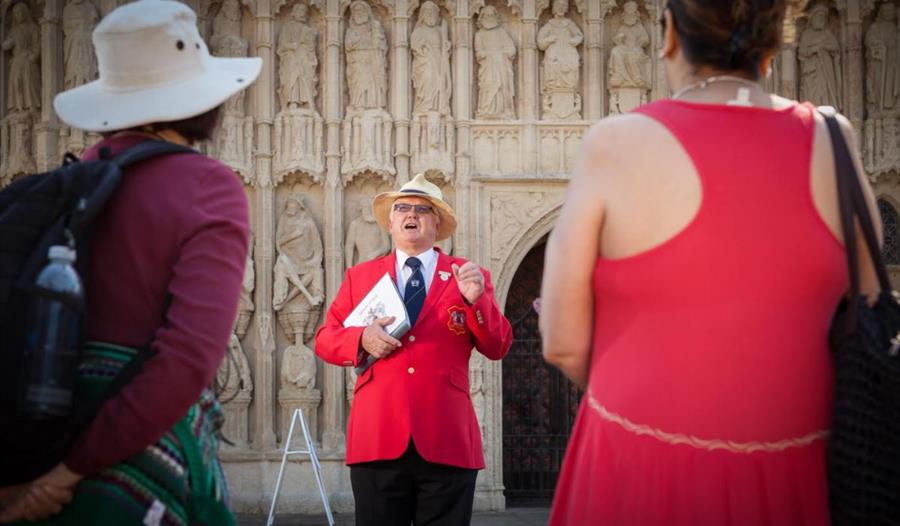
{"x": 429, "y": 265}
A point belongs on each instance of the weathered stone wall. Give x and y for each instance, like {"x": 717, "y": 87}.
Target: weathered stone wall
{"x": 489, "y": 98}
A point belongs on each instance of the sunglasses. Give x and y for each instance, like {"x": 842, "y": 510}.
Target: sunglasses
{"x": 406, "y": 207}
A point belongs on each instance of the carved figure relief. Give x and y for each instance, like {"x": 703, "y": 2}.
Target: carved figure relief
{"x": 79, "y": 63}
{"x": 298, "y": 126}
{"x": 78, "y": 21}
{"x": 23, "y": 94}
{"x": 234, "y": 383}
{"x": 432, "y": 126}
{"x": 365, "y": 239}
{"x": 366, "y": 47}
{"x": 227, "y": 21}
{"x": 23, "y": 43}
{"x": 494, "y": 51}
{"x": 820, "y": 61}
{"x": 298, "y": 274}
{"x": 629, "y": 71}
{"x": 559, "y": 39}
{"x": 367, "y": 129}
{"x": 882, "y": 53}
{"x": 883, "y": 63}
{"x": 232, "y": 141}
{"x": 245, "y": 301}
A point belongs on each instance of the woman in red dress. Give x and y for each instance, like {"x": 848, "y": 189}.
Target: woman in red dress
{"x": 689, "y": 286}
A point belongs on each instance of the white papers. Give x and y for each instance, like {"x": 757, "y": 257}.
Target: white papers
{"x": 383, "y": 300}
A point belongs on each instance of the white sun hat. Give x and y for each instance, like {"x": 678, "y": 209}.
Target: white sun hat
{"x": 419, "y": 186}
{"x": 153, "y": 67}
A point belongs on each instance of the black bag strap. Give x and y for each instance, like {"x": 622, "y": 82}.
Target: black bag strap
{"x": 87, "y": 211}
{"x": 853, "y": 205}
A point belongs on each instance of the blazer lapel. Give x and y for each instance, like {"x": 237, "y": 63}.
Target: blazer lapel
{"x": 438, "y": 285}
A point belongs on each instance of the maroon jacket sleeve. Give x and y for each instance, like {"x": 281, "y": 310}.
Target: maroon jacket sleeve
{"x": 204, "y": 288}
{"x": 490, "y": 328}
{"x": 336, "y": 344}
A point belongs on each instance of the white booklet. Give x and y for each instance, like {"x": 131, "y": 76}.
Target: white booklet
{"x": 382, "y": 301}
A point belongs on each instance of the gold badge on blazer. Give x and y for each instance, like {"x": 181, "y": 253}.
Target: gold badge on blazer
{"x": 457, "y": 320}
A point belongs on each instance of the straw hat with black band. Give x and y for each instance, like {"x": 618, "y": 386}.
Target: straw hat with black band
{"x": 417, "y": 187}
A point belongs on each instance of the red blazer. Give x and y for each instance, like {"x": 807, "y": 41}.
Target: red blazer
{"x": 421, "y": 390}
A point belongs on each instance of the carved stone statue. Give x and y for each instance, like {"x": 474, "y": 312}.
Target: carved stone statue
{"x": 297, "y": 60}
{"x": 234, "y": 384}
{"x": 820, "y": 61}
{"x": 79, "y": 19}
{"x": 494, "y": 51}
{"x": 365, "y": 238}
{"x": 245, "y": 301}
{"x": 629, "y": 73}
{"x": 883, "y": 63}
{"x": 23, "y": 95}
{"x": 227, "y": 21}
{"x": 559, "y": 39}
{"x": 367, "y": 132}
{"x": 432, "y": 125}
{"x": 366, "y": 48}
{"x": 233, "y": 139}
{"x": 882, "y": 126}
{"x": 234, "y": 375}
{"x": 24, "y": 43}
{"x": 299, "y": 278}
{"x": 430, "y": 48}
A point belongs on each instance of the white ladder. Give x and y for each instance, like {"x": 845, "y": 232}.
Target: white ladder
{"x": 314, "y": 459}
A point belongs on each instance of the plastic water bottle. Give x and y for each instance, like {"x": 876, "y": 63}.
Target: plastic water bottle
{"x": 53, "y": 337}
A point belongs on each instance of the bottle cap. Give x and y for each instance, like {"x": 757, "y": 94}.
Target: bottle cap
{"x": 61, "y": 252}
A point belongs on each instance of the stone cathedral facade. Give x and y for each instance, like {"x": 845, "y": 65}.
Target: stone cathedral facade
{"x": 489, "y": 98}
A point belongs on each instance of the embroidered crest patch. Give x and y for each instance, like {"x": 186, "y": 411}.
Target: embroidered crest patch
{"x": 457, "y": 320}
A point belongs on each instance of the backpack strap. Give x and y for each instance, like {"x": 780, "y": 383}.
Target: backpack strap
{"x": 87, "y": 210}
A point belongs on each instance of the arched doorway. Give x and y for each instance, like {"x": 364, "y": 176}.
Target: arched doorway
{"x": 539, "y": 403}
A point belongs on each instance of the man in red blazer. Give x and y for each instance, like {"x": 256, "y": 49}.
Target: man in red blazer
{"x": 413, "y": 442}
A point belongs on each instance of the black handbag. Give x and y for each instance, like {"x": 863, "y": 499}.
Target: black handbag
{"x": 863, "y": 456}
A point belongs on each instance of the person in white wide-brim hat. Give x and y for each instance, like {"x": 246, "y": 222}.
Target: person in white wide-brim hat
{"x": 153, "y": 67}
{"x": 413, "y": 444}
{"x": 168, "y": 255}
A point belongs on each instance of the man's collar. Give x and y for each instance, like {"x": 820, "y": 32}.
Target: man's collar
{"x": 426, "y": 257}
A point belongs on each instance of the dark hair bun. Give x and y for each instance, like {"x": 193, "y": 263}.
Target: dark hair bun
{"x": 729, "y": 36}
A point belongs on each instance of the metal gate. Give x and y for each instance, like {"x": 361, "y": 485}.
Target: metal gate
{"x": 539, "y": 403}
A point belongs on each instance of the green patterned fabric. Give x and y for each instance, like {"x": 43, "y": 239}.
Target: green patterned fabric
{"x": 181, "y": 471}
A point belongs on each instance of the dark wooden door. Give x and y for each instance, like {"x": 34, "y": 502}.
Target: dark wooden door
{"x": 539, "y": 403}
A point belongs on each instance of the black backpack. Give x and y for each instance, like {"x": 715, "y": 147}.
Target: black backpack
{"x": 52, "y": 208}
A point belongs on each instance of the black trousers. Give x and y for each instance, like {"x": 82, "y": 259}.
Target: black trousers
{"x": 411, "y": 490}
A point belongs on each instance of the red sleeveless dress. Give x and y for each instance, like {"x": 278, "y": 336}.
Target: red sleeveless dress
{"x": 710, "y": 391}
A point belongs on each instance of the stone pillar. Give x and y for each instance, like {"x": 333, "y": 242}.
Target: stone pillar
{"x": 47, "y": 130}
{"x": 333, "y": 438}
{"x": 852, "y": 16}
{"x": 463, "y": 87}
{"x": 594, "y": 34}
{"x": 263, "y": 416}
{"x": 789, "y": 80}
{"x": 529, "y": 91}
{"x": 401, "y": 86}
